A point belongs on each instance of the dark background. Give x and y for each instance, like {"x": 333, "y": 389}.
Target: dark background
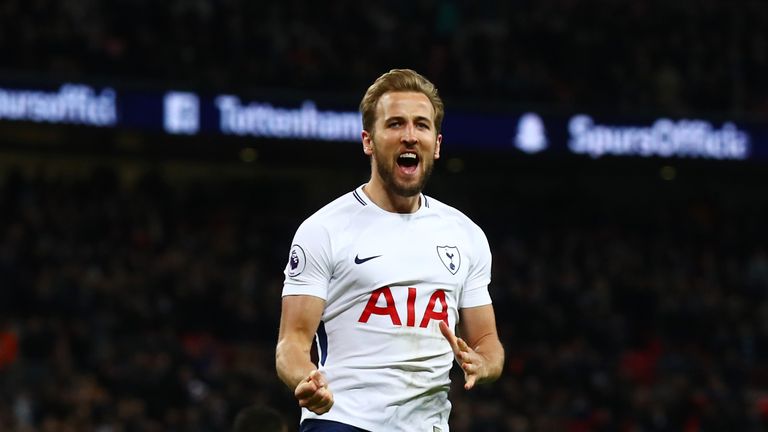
{"x": 140, "y": 274}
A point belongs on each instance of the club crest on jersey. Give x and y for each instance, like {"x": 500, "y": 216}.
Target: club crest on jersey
{"x": 450, "y": 257}
{"x": 296, "y": 261}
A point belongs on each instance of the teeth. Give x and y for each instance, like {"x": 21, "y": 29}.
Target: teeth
{"x": 408, "y": 155}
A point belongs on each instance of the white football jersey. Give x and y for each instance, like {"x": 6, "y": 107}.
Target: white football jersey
{"x": 388, "y": 279}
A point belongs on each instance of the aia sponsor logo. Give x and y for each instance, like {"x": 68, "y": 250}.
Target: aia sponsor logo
{"x": 437, "y": 308}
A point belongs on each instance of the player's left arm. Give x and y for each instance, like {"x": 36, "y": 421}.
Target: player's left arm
{"x": 478, "y": 351}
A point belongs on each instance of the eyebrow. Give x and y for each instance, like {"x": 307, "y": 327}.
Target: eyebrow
{"x": 400, "y": 117}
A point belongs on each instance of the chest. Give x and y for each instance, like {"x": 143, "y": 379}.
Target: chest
{"x": 404, "y": 253}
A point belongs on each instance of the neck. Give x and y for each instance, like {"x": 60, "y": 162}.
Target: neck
{"x": 388, "y": 200}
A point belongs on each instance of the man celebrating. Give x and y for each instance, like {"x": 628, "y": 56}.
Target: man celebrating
{"x": 381, "y": 276}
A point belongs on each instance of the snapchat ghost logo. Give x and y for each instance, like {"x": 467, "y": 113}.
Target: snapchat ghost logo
{"x": 531, "y": 136}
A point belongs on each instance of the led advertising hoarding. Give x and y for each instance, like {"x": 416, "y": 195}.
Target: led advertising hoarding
{"x": 189, "y": 113}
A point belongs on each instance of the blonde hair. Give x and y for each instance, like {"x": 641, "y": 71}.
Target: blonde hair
{"x": 399, "y": 80}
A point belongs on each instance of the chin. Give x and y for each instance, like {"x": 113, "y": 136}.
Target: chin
{"x": 408, "y": 190}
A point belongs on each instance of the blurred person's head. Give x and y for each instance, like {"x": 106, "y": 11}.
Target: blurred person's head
{"x": 259, "y": 418}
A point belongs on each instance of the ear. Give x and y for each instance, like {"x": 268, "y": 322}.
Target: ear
{"x": 437, "y": 145}
{"x": 367, "y": 143}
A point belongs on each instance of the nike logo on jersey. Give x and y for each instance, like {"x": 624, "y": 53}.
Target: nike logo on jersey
{"x": 359, "y": 260}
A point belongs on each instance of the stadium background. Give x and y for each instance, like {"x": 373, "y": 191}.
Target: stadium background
{"x": 140, "y": 272}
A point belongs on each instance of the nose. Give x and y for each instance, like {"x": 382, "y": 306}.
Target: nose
{"x": 409, "y": 135}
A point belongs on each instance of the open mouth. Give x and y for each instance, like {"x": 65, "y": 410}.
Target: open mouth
{"x": 408, "y": 162}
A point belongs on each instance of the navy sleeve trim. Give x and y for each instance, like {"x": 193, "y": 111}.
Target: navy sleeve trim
{"x": 322, "y": 343}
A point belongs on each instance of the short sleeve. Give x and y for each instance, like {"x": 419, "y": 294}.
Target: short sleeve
{"x": 308, "y": 270}
{"x": 475, "y": 291}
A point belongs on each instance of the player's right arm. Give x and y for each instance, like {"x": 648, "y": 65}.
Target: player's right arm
{"x": 299, "y": 319}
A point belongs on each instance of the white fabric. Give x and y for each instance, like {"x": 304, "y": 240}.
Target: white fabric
{"x": 390, "y": 372}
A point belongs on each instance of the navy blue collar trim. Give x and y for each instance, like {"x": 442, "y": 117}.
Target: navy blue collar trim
{"x": 357, "y": 197}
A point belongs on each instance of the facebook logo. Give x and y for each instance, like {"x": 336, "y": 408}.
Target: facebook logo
{"x": 181, "y": 113}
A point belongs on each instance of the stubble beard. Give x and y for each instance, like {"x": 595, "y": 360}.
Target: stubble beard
{"x": 386, "y": 172}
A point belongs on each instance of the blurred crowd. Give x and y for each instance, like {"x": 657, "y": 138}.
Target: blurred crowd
{"x": 143, "y": 310}
{"x": 633, "y": 56}
{"x": 153, "y": 306}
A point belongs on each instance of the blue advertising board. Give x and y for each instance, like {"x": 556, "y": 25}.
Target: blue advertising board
{"x": 189, "y": 113}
